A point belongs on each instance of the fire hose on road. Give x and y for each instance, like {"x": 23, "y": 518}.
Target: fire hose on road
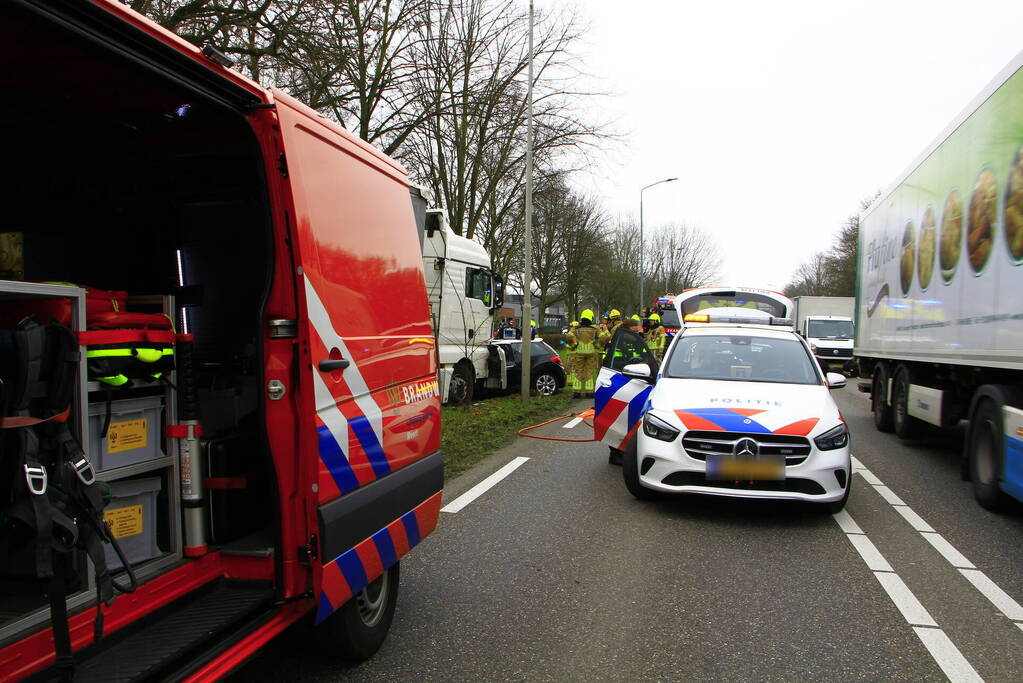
{"x": 582, "y": 416}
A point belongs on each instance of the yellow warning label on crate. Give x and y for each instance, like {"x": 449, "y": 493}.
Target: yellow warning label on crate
{"x": 126, "y": 521}
{"x": 127, "y": 436}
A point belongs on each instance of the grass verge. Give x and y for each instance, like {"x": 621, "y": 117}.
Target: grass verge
{"x": 472, "y": 433}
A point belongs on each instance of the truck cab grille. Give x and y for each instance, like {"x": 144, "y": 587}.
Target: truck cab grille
{"x": 700, "y": 444}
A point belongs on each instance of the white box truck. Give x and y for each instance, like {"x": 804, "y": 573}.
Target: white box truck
{"x": 939, "y": 311}
{"x": 464, "y": 292}
{"x": 826, "y": 322}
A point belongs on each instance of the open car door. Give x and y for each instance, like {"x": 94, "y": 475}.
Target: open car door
{"x": 619, "y": 402}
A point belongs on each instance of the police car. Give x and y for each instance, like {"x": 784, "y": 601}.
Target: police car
{"x": 738, "y": 408}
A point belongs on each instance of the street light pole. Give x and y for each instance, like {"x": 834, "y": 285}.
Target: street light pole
{"x": 641, "y": 244}
{"x": 527, "y": 302}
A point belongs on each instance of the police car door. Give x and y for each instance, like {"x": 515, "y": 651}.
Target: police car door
{"x": 619, "y": 402}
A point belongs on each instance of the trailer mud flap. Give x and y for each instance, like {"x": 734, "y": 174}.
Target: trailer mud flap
{"x": 363, "y": 533}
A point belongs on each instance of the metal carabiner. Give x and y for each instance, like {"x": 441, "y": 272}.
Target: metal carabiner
{"x": 35, "y": 477}
{"x": 83, "y": 468}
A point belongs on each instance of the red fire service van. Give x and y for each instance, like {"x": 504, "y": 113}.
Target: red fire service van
{"x": 217, "y": 372}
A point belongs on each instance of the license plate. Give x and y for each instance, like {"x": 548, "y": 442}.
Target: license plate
{"x": 724, "y": 467}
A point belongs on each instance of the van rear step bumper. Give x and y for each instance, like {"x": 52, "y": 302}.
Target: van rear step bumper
{"x": 176, "y": 638}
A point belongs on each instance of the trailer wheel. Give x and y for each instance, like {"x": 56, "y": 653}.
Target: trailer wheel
{"x": 461, "y": 385}
{"x": 357, "y": 630}
{"x": 882, "y": 411}
{"x": 905, "y": 425}
{"x": 987, "y": 455}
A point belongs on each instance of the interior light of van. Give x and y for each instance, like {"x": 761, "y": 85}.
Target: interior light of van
{"x": 697, "y": 318}
{"x": 182, "y": 110}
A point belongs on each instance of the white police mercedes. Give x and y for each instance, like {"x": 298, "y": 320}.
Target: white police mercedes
{"x": 738, "y": 408}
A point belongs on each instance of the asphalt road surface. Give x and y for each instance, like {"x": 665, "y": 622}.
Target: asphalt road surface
{"x": 556, "y": 573}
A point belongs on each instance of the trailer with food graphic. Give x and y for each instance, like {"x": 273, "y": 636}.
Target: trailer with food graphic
{"x": 939, "y": 312}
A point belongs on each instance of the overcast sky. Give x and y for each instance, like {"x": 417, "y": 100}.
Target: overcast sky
{"x": 778, "y": 117}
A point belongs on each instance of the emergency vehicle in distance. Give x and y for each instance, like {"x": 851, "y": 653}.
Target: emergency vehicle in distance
{"x": 464, "y": 292}
{"x": 286, "y": 475}
{"x": 738, "y": 408}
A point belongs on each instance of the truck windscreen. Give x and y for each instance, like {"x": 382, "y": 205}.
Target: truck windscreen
{"x": 669, "y": 317}
{"x": 829, "y": 329}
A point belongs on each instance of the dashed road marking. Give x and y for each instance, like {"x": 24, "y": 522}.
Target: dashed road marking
{"x": 479, "y": 489}
{"x": 1004, "y": 602}
{"x": 946, "y": 654}
{"x": 934, "y": 639}
{"x": 572, "y": 423}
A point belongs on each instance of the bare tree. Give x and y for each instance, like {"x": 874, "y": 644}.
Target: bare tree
{"x": 680, "y": 256}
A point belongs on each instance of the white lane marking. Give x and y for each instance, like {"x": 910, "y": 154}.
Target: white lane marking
{"x": 948, "y": 551}
{"x": 947, "y": 655}
{"x": 847, "y": 523}
{"x": 870, "y": 554}
{"x": 984, "y": 585}
{"x": 869, "y": 476}
{"x": 914, "y": 612}
{"x": 938, "y": 644}
{"x": 915, "y": 520}
{"x": 479, "y": 489}
{"x": 888, "y": 495}
{"x": 999, "y": 598}
{"x": 572, "y": 423}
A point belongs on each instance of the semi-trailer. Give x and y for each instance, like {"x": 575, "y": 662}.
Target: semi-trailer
{"x": 939, "y": 317}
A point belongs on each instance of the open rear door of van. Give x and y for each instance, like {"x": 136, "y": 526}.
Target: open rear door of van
{"x": 370, "y": 410}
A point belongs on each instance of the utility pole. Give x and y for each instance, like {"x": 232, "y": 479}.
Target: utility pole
{"x": 641, "y": 243}
{"x": 527, "y": 303}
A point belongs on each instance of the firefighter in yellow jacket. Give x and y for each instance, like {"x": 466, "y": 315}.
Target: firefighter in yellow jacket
{"x": 586, "y": 356}
{"x": 656, "y": 338}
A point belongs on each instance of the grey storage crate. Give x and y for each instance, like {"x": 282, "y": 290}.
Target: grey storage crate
{"x": 133, "y": 436}
{"x": 131, "y": 515}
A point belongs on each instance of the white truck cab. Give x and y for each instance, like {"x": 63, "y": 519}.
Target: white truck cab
{"x": 464, "y": 292}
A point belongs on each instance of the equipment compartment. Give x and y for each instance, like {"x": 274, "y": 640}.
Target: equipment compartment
{"x": 133, "y": 435}
{"x": 131, "y": 516}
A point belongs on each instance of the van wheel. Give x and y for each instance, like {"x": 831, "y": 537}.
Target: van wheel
{"x": 987, "y": 455}
{"x": 882, "y": 411}
{"x": 630, "y": 472}
{"x": 357, "y": 630}
{"x": 460, "y": 388}
{"x": 905, "y": 425}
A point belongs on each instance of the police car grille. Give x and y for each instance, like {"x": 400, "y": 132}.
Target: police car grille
{"x": 700, "y": 444}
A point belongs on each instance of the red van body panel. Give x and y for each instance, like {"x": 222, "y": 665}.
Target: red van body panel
{"x": 355, "y": 450}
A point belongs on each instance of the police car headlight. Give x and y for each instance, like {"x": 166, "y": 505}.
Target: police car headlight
{"x": 658, "y": 429}
{"x": 837, "y": 437}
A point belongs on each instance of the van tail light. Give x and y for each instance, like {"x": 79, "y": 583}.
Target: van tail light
{"x": 556, "y": 359}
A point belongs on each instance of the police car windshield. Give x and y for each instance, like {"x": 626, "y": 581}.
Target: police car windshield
{"x": 742, "y": 358}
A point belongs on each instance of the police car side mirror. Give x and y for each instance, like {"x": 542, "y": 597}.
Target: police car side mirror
{"x": 836, "y": 380}
{"x": 640, "y": 371}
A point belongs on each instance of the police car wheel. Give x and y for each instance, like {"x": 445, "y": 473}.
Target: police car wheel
{"x": 630, "y": 473}
{"x": 834, "y": 507}
{"x": 358, "y": 629}
{"x": 546, "y": 384}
